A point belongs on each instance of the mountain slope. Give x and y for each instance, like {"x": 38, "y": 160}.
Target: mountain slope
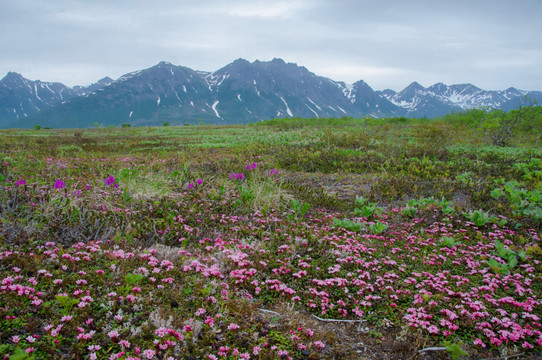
{"x": 20, "y": 97}
{"x": 440, "y": 99}
{"x": 240, "y": 92}
{"x": 162, "y": 93}
{"x": 265, "y": 90}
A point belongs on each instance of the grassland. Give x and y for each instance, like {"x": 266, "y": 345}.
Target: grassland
{"x": 291, "y": 239}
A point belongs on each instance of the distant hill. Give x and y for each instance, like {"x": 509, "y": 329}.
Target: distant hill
{"x": 240, "y": 92}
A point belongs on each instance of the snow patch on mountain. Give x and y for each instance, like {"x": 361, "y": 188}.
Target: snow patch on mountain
{"x": 288, "y": 111}
{"x": 215, "y": 110}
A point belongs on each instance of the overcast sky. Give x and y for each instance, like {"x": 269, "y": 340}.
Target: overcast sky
{"x": 388, "y": 43}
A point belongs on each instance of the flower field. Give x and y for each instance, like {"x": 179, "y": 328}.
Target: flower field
{"x": 266, "y": 242}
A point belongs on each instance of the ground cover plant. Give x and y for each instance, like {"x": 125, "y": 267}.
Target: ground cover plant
{"x": 339, "y": 239}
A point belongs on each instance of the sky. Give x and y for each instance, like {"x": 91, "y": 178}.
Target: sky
{"x": 387, "y": 43}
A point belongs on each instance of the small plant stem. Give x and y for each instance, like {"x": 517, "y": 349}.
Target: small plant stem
{"x": 432, "y": 349}
{"x": 271, "y": 312}
{"x": 337, "y": 319}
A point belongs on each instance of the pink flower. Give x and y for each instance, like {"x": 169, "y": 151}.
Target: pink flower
{"x": 30, "y": 339}
{"x": 149, "y": 354}
{"x": 479, "y": 342}
{"x": 233, "y": 327}
{"x": 319, "y": 345}
{"x": 209, "y": 321}
{"x": 200, "y": 311}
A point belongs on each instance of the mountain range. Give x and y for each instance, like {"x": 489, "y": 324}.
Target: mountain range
{"x": 239, "y": 93}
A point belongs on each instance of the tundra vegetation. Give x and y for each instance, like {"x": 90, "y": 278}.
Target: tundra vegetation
{"x": 286, "y": 239}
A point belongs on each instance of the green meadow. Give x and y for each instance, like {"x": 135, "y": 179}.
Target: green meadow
{"x": 287, "y": 239}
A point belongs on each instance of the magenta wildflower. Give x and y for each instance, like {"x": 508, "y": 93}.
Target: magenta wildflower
{"x": 110, "y": 180}
{"x": 20, "y": 182}
{"x": 239, "y": 176}
{"x": 59, "y": 184}
{"x": 199, "y": 181}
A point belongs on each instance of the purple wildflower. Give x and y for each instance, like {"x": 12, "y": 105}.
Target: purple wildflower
{"x": 111, "y": 181}
{"x": 239, "y": 176}
{"x": 20, "y": 182}
{"x": 59, "y": 184}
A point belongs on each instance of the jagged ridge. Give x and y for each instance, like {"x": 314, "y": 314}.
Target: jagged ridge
{"x": 240, "y": 92}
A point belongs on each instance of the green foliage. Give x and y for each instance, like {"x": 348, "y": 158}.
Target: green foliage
{"x": 377, "y": 227}
{"x": 298, "y": 209}
{"x": 449, "y": 242}
{"x": 246, "y": 196}
{"x": 465, "y": 178}
{"x": 20, "y": 354}
{"x": 66, "y": 303}
{"x": 348, "y": 224}
{"x": 133, "y": 279}
{"x": 524, "y": 202}
{"x": 479, "y": 217}
{"x": 365, "y": 208}
{"x": 69, "y": 150}
{"x": 498, "y": 267}
{"x": 501, "y": 127}
{"x": 454, "y": 349}
{"x": 534, "y": 250}
{"x": 508, "y": 255}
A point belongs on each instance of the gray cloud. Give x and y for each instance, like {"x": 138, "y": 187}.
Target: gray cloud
{"x": 492, "y": 44}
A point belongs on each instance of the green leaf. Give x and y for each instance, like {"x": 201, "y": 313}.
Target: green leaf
{"x": 512, "y": 262}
